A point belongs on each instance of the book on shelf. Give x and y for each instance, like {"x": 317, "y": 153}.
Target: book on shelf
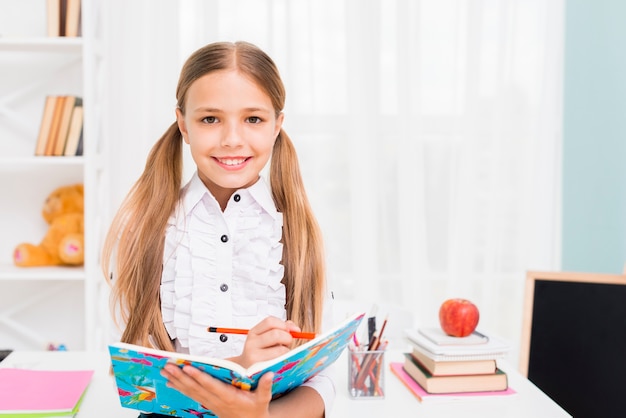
{"x": 397, "y": 369}
{"x": 455, "y": 367}
{"x": 478, "y": 346}
{"x": 63, "y": 18}
{"x": 61, "y": 124}
{"x": 79, "y": 147}
{"x": 72, "y": 18}
{"x": 42, "y": 393}
{"x": 75, "y": 130}
{"x": 57, "y": 116}
{"x": 496, "y": 381}
{"x": 137, "y": 370}
{"x": 53, "y": 17}
{"x": 46, "y": 125}
{"x": 69, "y": 103}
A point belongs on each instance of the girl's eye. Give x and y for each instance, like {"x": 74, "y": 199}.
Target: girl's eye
{"x": 254, "y": 119}
{"x": 210, "y": 119}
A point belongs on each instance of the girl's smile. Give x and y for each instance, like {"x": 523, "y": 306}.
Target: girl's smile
{"x": 232, "y": 162}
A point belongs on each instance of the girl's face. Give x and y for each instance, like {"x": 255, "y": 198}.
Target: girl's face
{"x": 230, "y": 126}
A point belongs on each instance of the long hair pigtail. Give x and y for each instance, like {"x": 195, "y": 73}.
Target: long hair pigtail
{"x": 133, "y": 249}
{"x": 303, "y": 253}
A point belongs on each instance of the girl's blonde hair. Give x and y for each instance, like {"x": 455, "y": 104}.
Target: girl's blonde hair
{"x": 132, "y": 256}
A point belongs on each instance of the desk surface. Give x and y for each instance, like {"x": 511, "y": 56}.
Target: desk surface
{"x": 101, "y": 399}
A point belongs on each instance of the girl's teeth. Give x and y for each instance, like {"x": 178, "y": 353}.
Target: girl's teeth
{"x": 232, "y": 162}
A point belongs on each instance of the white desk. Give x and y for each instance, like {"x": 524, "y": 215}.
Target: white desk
{"x": 528, "y": 402}
{"x": 101, "y": 399}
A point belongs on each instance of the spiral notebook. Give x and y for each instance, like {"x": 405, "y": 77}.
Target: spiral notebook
{"x": 481, "y": 346}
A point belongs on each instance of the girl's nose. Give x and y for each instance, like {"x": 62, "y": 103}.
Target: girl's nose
{"x": 232, "y": 135}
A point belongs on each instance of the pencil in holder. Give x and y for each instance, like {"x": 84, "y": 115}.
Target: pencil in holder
{"x": 366, "y": 373}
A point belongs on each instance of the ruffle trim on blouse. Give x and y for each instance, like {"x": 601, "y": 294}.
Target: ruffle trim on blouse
{"x": 257, "y": 272}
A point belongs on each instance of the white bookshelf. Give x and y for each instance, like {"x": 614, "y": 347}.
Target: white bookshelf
{"x": 48, "y": 305}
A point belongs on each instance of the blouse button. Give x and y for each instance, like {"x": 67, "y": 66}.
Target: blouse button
{"x": 224, "y": 287}
{"x": 223, "y": 338}
{"x": 224, "y": 238}
{"x": 237, "y": 198}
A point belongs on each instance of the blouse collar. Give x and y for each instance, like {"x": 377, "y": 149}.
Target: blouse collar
{"x": 196, "y": 191}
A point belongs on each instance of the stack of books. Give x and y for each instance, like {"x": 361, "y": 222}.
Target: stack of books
{"x": 61, "y": 129}
{"x": 441, "y": 364}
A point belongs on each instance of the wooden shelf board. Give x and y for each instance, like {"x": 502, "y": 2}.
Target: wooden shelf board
{"x": 40, "y": 161}
{"x": 11, "y": 272}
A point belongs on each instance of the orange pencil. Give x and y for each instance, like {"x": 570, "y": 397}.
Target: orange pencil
{"x": 294, "y": 334}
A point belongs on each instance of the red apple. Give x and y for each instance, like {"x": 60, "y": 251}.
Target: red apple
{"x": 458, "y": 317}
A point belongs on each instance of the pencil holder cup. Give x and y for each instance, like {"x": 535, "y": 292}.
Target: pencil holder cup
{"x": 366, "y": 374}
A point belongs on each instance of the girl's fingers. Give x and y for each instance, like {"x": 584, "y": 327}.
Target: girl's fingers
{"x": 291, "y": 326}
{"x": 264, "y": 389}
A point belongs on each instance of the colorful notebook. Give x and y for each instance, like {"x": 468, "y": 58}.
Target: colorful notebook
{"x": 42, "y": 393}
{"x": 140, "y": 385}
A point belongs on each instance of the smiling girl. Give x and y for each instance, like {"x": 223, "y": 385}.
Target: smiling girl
{"x": 224, "y": 249}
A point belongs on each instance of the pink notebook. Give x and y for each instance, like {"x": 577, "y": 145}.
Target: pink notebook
{"x": 423, "y": 396}
{"x": 42, "y": 391}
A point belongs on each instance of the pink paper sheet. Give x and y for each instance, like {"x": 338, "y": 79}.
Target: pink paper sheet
{"x": 24, "y": 390}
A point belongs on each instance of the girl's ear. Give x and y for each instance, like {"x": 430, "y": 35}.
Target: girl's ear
{"x": 180, "y": 120}
{"x": 279, "y": 125}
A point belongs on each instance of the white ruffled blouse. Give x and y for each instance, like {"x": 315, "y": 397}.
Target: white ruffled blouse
{"x": 222, "y": 269}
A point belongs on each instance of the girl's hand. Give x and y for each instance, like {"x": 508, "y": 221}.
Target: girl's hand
{"x": 221, "y": 398}
{"x": 267, "y": 340}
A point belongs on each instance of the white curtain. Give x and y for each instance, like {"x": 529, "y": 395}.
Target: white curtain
{"x": 428, "y": 133}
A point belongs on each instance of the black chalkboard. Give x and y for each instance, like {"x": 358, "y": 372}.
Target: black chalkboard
{"x": 574, "y": 341}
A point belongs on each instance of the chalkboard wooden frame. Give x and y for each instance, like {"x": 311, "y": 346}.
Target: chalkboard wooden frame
{"x": 564, "y": 364}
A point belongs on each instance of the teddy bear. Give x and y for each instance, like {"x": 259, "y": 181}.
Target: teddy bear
{"x": 63, "y": 244}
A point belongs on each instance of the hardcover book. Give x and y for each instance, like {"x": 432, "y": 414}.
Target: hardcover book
{"x": 450, "y": 368}
{"x": 57, "y": 118}
{"x": 140, "y": 385}
{"x": 75, "y": 130}
{"x": 64, "y": 125}
{"x": 46, "y": 125}
{"x": 72, "y": 18}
